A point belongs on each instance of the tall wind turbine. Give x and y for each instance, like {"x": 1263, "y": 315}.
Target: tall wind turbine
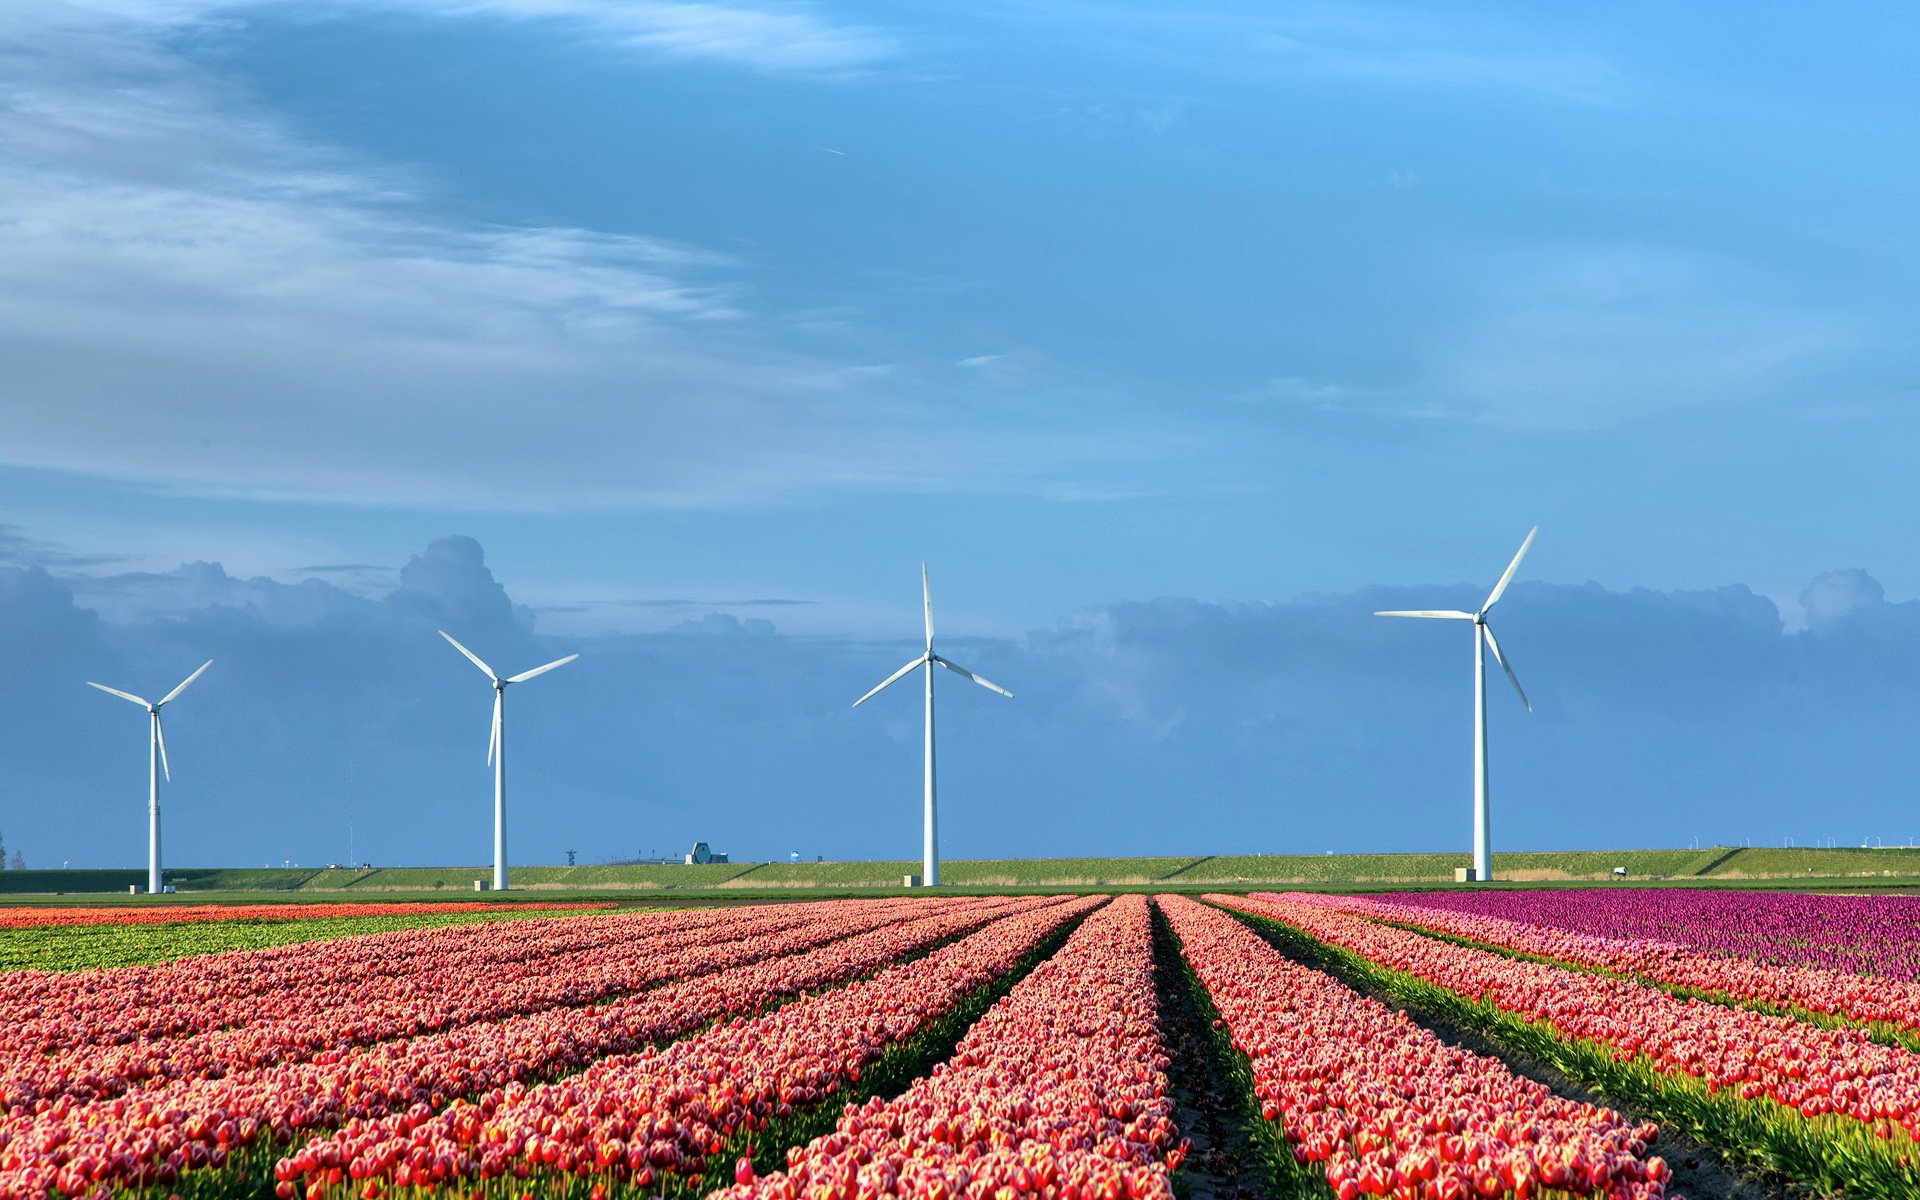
{"x": 930, "y": 846}
{"x": 1483, "y": 640}
{"x": 156, "y": 766}
{"x": 497, "y": 750}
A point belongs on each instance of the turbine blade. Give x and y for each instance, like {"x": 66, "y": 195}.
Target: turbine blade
{"x": 493, "y": 734}
{"x": 117, "y": 692}
{"x": 523, "y": 676}
{"x": 890, "y": 680}
{"x": 957, "y": 669}
{"x": 470, "y": 654}
{"x": 1493, "y": 597}
{"x": 1493, "y": 644}
{"x": 926, "y": 598}
{"x": 1445, "y": 614}
{"x": 160, "y": 735}
{"x": 183, "y": 684}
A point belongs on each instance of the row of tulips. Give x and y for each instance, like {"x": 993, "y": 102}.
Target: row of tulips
{"x": 633, "y": 1119}
{"x": 152, "y": 1136}
{"x": 1384, "y": 1106}
{"x": 1060, "y": 1091}
{"x": 1837, "y": 993}
{"x": 148, "y": 914}
{"x": 1870, "y": 935}
{"x": 1865, "y": 1095}
{"x": 232, "y": 1011}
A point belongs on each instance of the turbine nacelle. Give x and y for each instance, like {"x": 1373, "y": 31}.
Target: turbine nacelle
{"x": 153, "y": 708}
{"x": 500, "y": 684}
{"x": 1479, "y": 619}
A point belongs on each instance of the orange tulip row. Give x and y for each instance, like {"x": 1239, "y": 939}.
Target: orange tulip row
{"x": 1060, "y": 1091}
{"x": 1855, "y": 997}
{"x": 1388, "y": 1108}
{"x": 307, "y": 1018}
{"x": 121, "y": 914}
{"x": 635, "y": 1118}
{"x": 153, "y": 1135}
{"x": 1820, "y": 1072}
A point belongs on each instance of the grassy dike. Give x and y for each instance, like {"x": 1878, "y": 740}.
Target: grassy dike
{"x": 1889, "y": 869}
{"x": 1830, "y": 1155}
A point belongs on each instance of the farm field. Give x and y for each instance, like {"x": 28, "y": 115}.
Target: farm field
{"x": 1080, "y": 1047}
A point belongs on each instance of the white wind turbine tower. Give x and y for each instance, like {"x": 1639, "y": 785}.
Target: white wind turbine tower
{"x": 1483, "y": 640}
{"x": 497, "y": 750}
{"x": 156, "y": 766}
{"x": 930, "y": 847}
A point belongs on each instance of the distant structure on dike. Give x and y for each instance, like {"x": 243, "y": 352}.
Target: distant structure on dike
{"x": 703, "y": 853}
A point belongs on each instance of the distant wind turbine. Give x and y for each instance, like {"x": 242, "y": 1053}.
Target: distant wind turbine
{"x": 930, "y": 846}
{"x": 497, "y": 750}
{"x": 157, "y": 765}
{"x": 1483, "y": 640}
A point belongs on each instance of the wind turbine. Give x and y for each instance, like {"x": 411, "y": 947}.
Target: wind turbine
{"x": 1483, "y": 640}
{"x": 156, "y": 766}
{"x": 930, "y": 846}
{"x": 497, "y": 750}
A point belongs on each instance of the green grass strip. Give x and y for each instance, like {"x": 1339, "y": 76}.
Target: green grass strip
{"x": 1829, "y": 1154}
{"x": 77, "y": 947}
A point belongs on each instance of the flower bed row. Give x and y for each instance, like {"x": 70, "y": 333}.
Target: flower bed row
{"x": 315, "y": 1008}
{"x": 1387, "y": 1108}
{"x": 147, "y": 914}
{"x": 635, "y": 1118}
{"x": 1836, "y": 993}
{"x": 152, "y": 1136}
{"x": 1059, "y": 1091}
{"x": 1874, "y": 935}
{"x": 1829, "y": 1106}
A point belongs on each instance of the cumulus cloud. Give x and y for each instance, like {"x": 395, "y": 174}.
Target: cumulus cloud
{"x": 1295, "y": 725}
{"x": 1837, "y": 594}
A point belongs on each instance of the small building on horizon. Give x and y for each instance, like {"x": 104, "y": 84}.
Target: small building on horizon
{"x": 703, "y": 853}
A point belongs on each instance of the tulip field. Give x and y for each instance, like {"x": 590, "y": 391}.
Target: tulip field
{"x": 1437, "y": 1046}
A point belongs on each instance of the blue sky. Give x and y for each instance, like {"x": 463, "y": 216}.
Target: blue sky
{"x": 693, "y": 311}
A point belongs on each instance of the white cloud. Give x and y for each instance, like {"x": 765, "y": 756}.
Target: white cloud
{"x": 192, "y": 296}
{"x": 777, "y": 38}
